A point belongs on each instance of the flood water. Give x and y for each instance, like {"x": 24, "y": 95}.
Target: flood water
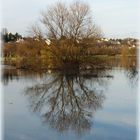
{"x": 99, "y": 105}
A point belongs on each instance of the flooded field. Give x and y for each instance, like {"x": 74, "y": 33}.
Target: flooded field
{"x": 94, "y": 104}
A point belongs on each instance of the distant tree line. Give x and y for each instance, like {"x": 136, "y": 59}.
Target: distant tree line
{"x": 8, "y": 36}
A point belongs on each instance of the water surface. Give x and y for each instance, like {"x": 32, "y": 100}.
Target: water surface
{"x": 100, "y": 105}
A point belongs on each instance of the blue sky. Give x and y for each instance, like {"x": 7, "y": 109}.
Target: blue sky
{"x": 116, "y": 18}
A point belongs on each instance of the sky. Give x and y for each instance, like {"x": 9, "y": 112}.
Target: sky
{"x": 116, "y": 18}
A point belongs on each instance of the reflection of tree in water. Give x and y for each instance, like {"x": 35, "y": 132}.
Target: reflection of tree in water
{"x": 66, "y": 102}
{"x": 11, "y": 74}
{"x": 131, "y": 69}
{"x": 132, "y": 75}
{"x": 8, "y": 75}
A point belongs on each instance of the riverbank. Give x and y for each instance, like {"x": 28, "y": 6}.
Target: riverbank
{"x": 90, "y": 63}
{"x": 62, "y": 55}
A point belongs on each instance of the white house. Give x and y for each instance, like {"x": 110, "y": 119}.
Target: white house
{"x": 48, "y": 42}
{"x": 20, "y": 40}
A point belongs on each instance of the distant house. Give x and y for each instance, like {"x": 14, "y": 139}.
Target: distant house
{"x": 118, "y": 43}
{"x": 20, "y": 40}
{"x": 104, "y": 39}
{"x": 48, "y": 41}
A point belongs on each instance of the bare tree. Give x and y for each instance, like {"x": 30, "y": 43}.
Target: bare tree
{"x": 35, "y": 31}
{"x": 72, "y": 22}
{"x": 55, "y": 20}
